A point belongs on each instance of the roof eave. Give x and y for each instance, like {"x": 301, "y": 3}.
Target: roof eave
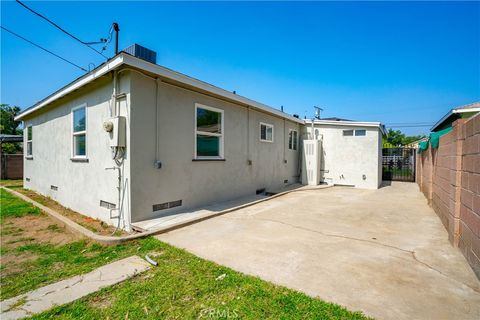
{"x": 349, "y": 124}
{"x": 129, "y": 60}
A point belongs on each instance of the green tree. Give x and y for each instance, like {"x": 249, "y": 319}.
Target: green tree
{"x": 398, "y": 138}
{"x": 9, "y": 126}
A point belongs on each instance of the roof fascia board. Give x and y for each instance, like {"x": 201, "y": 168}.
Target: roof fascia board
{"x": 466, "y": 110}
{"x": 349, "y": 124}
{"x": 442, "y": 120}
{"x": 345, "y": 123}
{"x": 111, "y": 65}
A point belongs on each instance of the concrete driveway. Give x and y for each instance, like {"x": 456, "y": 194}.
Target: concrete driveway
{"x": 384, "y": 252}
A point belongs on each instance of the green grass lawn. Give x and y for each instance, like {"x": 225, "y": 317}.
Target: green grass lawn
{"x": 182, "y": 286}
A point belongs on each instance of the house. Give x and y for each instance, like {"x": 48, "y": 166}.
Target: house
{"x": 351, "y": 151}
{"x": 135, "y": 141}
{"x": 461, "y": 112}
{"x": 445, "y": 124}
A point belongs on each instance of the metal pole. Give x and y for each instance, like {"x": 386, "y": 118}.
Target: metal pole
{"x": 116, "y": 29}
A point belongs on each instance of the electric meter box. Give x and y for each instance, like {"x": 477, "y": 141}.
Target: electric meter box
{"x": 118, "y": 134}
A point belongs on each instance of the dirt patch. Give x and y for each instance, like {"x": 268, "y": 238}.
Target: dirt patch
{"x": 91, "y": 224}
{"x": 34, "y": 228}
{"x": 26, "y": 230}
{"x": 101, "y": 302}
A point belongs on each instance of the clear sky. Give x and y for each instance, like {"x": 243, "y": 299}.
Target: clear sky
{"x": 392, "y": 62}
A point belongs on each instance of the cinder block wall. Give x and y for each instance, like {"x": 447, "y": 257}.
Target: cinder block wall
{"x": 449, "y": 177}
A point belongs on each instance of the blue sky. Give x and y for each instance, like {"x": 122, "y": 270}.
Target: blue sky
{"x": 373, "y": 61}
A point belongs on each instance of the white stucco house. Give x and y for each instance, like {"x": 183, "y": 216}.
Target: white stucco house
{"x": 132, "y": 140}
{"x": 351, "y": 151}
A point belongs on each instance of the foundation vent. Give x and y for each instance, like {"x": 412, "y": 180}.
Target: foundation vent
{"x": 27, "y": 179}
{"x": 107, "y": 205}
{"x": 166, "y": 205}
{"x": 260, "y": 191}
{"x": 54, "y": 188}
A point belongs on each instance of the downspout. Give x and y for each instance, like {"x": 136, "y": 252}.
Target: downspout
{"x": 113, "y": 105}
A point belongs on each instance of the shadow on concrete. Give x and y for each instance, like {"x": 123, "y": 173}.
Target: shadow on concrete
{"x": 385, "y": 183}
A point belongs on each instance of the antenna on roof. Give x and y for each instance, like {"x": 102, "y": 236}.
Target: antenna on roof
{"x": 317, "y": 112}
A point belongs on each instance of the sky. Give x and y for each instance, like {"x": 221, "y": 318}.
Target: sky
{"x": 392, "y": 62}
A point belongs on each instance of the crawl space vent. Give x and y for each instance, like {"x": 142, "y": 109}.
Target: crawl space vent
{"x": 167, "y": 205}
{"x": 107, "y": 205}
{"x": 54, "y": 188}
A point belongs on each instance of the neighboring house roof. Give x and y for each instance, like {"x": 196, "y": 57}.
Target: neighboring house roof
{"x": 10, "y": 138}
{"x": 336, "y": 119}
{"x": 349, "y": 123}
{"x": 167, "y": 75}
{"x": 455, "y": 114}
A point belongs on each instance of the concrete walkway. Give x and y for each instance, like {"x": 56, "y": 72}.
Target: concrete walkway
{"x": 384, "y": 252}
{"x": 69, "y": 290}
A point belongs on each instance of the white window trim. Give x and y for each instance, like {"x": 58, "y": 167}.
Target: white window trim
{"x": 355, "y": 133}
{"x": 73, "y": 134}
{"x": 296, "y": 138}
{"x": 29, "y": 155}
{"x": 220, "y": 135}
{"x": 260, "y": 132}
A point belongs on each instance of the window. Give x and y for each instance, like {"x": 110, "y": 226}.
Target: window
{"x": 79, "y": 132}
{"x": 357, "y": 132}
{"x": 208, "y": 132}
{"x": 29, "y": 141}
{"x": 266, "y": 132}
{"x": 361, "y": 132}
{"x": 292, "y": 139}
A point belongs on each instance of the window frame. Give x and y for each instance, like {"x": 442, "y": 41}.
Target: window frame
{"x": 360, "y": 135}
{"x": 84, "y": 132}
{"x": 354, "y": 132}
{"x": 294, "y": 142}
{"x": 29, "y": 142}
{"x": 221, "y": 135}
{"x": 260, "y": 132}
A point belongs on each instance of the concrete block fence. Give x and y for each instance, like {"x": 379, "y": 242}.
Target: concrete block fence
{"x": 449, "y": 177}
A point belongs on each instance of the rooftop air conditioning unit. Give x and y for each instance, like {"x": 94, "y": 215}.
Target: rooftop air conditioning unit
{"x": 142, "y": 53}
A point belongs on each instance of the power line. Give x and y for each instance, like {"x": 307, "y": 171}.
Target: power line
{"x": 36, "y": 45}
{"x": 63, "y": 30}
{"x": 410, "y": 126}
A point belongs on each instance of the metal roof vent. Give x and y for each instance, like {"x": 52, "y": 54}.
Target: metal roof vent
{"x": 142, "y": 53}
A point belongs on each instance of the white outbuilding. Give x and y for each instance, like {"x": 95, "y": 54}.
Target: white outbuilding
{"x": 350, "y": 152}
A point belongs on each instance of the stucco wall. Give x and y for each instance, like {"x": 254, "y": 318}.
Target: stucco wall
{"x": 81, "y": 185}
{"x": 346, "y": 159}
{"x": 199, "y": 183}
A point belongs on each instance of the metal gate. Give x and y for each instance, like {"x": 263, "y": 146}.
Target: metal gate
{"x": 398, "y": 164}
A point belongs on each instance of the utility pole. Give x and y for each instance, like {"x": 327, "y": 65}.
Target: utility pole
{"x": 116, "y": 29}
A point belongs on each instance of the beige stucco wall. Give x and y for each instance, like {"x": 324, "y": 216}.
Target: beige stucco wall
{"x": 345, "y": 159}
{"x": 81, "y": 185}
{"x": 199, "y": 183}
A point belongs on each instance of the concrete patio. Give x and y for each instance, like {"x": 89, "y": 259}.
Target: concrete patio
{"x": 384, "y": 252}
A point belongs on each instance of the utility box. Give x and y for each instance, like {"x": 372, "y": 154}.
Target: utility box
{"x": 311, "y": 162}
{"x": 118, "y": 132}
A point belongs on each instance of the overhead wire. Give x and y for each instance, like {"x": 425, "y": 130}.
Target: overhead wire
{"x": 38, "y": 46}
{"x": 88, "y": 44}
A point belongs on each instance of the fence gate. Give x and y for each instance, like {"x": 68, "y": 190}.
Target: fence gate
{"x": 398, "y": 164}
